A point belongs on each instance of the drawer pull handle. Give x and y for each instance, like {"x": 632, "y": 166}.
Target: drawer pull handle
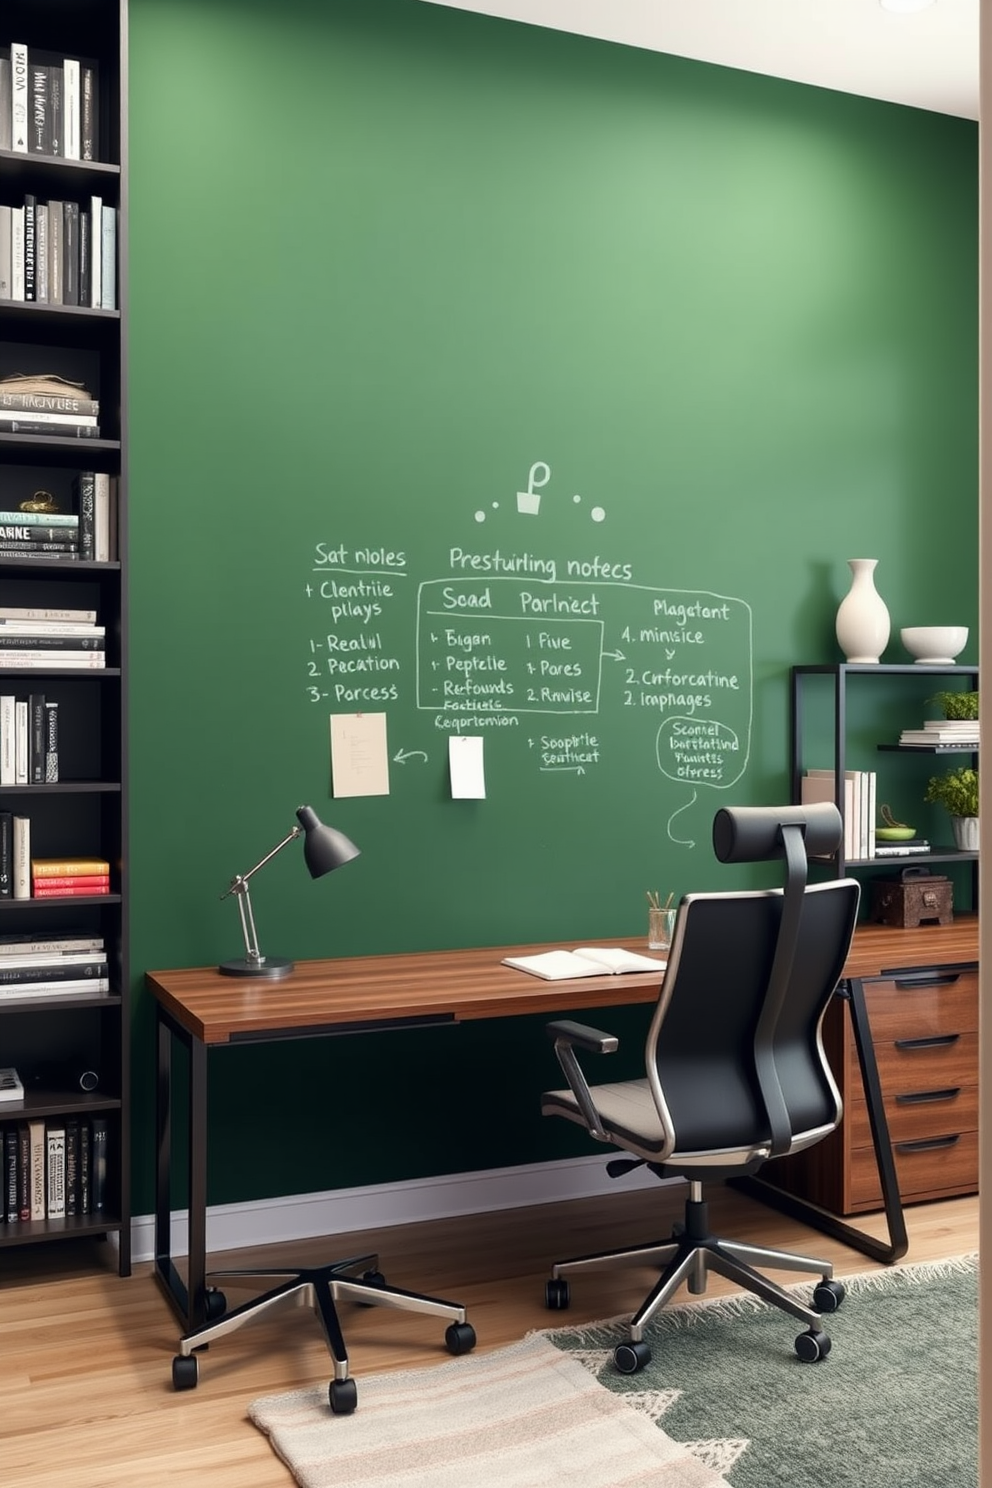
{"x": 927, "y": 1144}
{"x": 925, "y": 979}
{"x": 939, "y": 1041}
{"x": 923, "y": 1097}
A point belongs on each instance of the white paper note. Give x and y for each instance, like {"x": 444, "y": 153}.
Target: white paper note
{"x": 467, "y": 767}
{"x": 359, "y": 756}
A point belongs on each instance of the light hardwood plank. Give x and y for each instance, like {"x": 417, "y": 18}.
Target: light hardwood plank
{"x": 85, "y": 1357}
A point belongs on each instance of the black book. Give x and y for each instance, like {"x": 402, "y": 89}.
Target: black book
{"x": 70, "y": 253}
{"x": 6, "y": 855}
{"x": 53, "y": 971}
{"x": 98, "y": 1164}
{"x": 34, "y": 531}
{"x": 36, "y": 738}
{"x": 85, "y": 1160}
{"x": 29, "y": 425}
{"x": 72, "y": 1165}
{"x": 40, "y": 135}
{"x": 23, "y": 1170}
{"x": 51, "y": 643}
{"x": 10, "y": 1173}
{"x": 55, "y": 106}
{"x": 84, "y": 497}
{"x": 30, "y": 248}
{"x": 39, "y": 550}
{"x": 89, "y": 143}
{"x": 85, "y": 257}
{"x": 51, "y": 743}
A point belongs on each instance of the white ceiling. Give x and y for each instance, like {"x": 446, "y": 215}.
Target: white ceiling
{"x": 928, "y": 60}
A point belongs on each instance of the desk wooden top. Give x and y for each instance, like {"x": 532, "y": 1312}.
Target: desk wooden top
{"x": 456, "y": 986}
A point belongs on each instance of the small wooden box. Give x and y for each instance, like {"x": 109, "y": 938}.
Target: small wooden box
{"x": 908, "y": 902}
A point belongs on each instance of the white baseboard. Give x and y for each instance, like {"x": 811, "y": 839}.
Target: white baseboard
{"x": 301, "y": 1216}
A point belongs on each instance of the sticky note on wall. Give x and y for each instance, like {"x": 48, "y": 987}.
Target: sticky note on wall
{"x": 466, "y": 764}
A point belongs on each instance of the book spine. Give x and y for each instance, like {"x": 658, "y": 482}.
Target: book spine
{"x": 88, "y": 114}
{"x": 30, "y": 203}
{"x": 49, "y": 945}
{"x": 51, "y": 643}
{"x": 85, "y": 1179}
{"x": 42, "y": 612}
{"x": 59, "y": 959}
{"x": 63, "y": 628}
{"x": 19, "y": 97}
{"x": 70, "y": 251}
{"x": 6, "y": 265}
{"x": 99, "y": 1164}
{"x": 108, "y": 282}
{"x": 56, "y": 261}
{"x": 84, "y": 257}
{"x": 10, "y": 1173}
{"x": 5, "y": 103}
{"x": 29, "y": 976}
{"x": 36, "y": 1130}
{"x": 51, "y": 742}
{"x": 41, "y": 256}
{"x": 96, "y": 251}
{"x": 7, "y": 740}
{"x": 55, "y": 420}
{"x": 101, "y": 517}
{"x": 48, "y": 661}
{"x": 55, "y": 89}
{"x": 13, "y": 549}
{"x": 43, "y": 892}
{"x": 33, "y": 532}
{"x": 55, "y": 1170}
{"x": 68, "y": 867}
{"x": 22, "y": 857}
{"x": 40, "y": 132}
{"x": 70, "y": 107}
{"x": 17, "y": 253}
{"x": 72, "y": 1165}
{"x": 23, "y": 1171}
{"x": 36, "y": 738}
{"x": 6, "y": 855}
{"x": 45, "y": 403}
{"x": 94, "y": 881}
{"x": 21, "y": 742}
{"x": 94, "y": 986}
{"x": 84, "y": 491}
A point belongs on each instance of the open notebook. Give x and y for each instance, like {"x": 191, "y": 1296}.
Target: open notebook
{"x": 586, "y": 961}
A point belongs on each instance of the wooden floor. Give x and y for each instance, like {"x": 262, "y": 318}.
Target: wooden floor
{"x": 86, "y": 1399}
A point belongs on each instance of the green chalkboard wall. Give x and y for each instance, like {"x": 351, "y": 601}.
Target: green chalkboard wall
{"x": 513, "y": 385}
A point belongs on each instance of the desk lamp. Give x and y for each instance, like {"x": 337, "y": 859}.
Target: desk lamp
{"x": 323, "y": 849}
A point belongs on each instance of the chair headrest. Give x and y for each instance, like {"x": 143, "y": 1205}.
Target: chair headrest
{"x": 753, "y": 834}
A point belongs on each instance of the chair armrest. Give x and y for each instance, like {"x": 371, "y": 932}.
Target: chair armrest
{"x": 567, "y": 1036}
{"x": 585, "y": 1037}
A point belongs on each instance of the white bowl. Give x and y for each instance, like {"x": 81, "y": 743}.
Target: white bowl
{"x": 933, "y": 645}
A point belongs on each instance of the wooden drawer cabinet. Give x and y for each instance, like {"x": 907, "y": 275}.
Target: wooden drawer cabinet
{"x": 921, "y": 992}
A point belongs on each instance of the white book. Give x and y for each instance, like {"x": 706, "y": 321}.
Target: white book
{"x": 49, "y": 628}
{"x": 44, "y": 660}
{"x": 32, "y": 959}
{"x": 50, "y": 947}
{"x": 7, "y": 740}
{"x": 55, "y": 1175}
{"x": 96, "y": 252}
{"x": 6, "y": 265}
{"x": 22, "y": 857}
{"x": 820, "y": 785}
{"x": 869, "y": 817}
{"x": 108, "y": 285}
{"x": 45, "y": 416}
{"x": 41, "y": 253}
{"x": 46, "y": 612}
{"x": 36, "y": 1139}
{"x": 21, "y": 741}
{"x": 18, "y": 991}
{"x": 11, "y": 1088}
{"x": 17, "y": 253}
{"x": 585, "y": 961}
{"x": 101, "y": 517}
{"x": 70, "y": 108}
{"x": 19, "y": 97}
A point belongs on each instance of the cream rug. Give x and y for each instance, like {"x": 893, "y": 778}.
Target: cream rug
{"x": 528, "y": 1416}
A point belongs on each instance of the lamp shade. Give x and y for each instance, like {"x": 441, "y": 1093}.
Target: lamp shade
{"x": 324, "y": 848}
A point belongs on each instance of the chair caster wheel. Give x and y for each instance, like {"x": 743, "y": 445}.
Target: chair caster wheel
{"x": 373, "y": 1279}
{"x": 459, "y": 1338}
{"x": 557, "y": 1294}
{"x": 812, "y": 1346}
{"x": 215, "y": 1304}
{"x": 630, "y": 1357}
{"x": 828, "y": 1295}
{"x": 185, "y": 1372}
{"x": 343, "y": 1396}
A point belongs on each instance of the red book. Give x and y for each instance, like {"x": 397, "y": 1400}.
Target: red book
{"x": 94, "y": 881}
{"x": 43, "y": 891}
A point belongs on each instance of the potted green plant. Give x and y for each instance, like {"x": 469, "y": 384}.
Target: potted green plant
{"x": 957, "y": 704}
{"x": 957, "y": 792}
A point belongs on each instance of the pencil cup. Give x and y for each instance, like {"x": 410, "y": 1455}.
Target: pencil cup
{"x": 661, "y": 926}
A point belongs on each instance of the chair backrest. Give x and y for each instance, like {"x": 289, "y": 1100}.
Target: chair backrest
{"x": 735, "y": 1059}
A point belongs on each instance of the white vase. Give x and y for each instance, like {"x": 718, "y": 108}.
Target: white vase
{"x": 862, "y": 616}
{"x": 965, "y": 833}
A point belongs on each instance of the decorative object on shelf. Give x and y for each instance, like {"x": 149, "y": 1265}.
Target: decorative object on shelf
{"x": 917, "y": 897}
{"x": 958, "y": 705}
{"x": 323, "y": 850}
{"x": 892, "y": 830}
{"x": 862, "y": 617}
{"x": 957, "y": 792}
{"x": 934, "y": 645}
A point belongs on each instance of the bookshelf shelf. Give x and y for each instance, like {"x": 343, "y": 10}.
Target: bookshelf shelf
{"x": 51, "y": 1038}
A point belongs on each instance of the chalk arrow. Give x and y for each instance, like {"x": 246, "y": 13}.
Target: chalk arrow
{"x": 401, "y": 756}
{"x": 617, "y": 655}
{"x": 682, "y": 841}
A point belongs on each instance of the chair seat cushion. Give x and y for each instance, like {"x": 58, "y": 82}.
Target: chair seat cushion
{"x": 627, "y": 1109}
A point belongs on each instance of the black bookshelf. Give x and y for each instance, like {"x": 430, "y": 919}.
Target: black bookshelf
{"x": 53, "y": 1042}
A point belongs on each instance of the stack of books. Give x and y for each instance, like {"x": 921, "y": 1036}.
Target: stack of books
{"x": 859, "y": 806}
{"x": 59, "y": 253}
{"x": 53, "y": 1169}
{"x": 53, "y": 966}
{"x": 29, "y": 739}
{"x": 48, "y": 108}
{"x": 61, "y": 878}
{"x": 943, "y": 733}
{"x": 50, "y": 645}
{"x": 46, "y": 404}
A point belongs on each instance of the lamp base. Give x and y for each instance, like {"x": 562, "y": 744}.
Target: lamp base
{"x": 272, "y": 967}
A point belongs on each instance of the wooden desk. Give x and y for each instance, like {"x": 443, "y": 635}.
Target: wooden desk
{"x": 202, "y": 1009}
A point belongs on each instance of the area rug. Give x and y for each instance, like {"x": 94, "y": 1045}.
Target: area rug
{"x": 725, "y": 1401}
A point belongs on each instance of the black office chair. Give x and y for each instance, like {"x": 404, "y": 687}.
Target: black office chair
{"x": 735, "y": 1068}
{"x": 357, "y": 1279}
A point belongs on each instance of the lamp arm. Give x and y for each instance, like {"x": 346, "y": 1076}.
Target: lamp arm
{"x": 240, "y": 880}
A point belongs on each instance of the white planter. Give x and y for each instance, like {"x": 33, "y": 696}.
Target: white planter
{"x": 965, "y": 833}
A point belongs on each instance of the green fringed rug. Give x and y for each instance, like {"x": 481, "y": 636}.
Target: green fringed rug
{"x": 894, "y": 1405}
